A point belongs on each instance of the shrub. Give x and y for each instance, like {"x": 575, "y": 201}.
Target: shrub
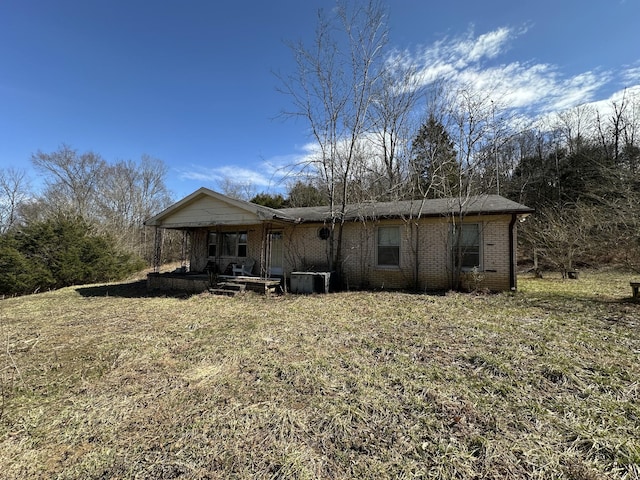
{"x": 59, "y": 252}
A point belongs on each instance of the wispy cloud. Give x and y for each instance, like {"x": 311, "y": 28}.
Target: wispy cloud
{"x": 530, "y": 90}
{"x": 488, "y": 45}
{"x": 216, "y": 175}
{"x": 472, "y": 61}
{"x": 271, "y": 174}
{"x": 631, "y": 75}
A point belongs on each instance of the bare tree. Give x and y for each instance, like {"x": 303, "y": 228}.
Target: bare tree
{"x": 576, "y": 126}
{"x": 333, "y": 91}
{"x": 71, "y": 179}
{"x": 129, "y": 193}
{"x": 237, "y": 189}
{"x": 565, "y": 235}
{"x": 14, "y": 191}
{"x": 391, "y": 121}
{"x": 469, "y": 118}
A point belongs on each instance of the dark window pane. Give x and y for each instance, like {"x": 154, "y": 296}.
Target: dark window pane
{"x": 213, "y": 241}
{"x": 466, "y": 245}
{"x": 388, "y": 255}
{"x": 470, "y": 257}
{"x": 229, "y": 244}
{"x": 388, "y": 246}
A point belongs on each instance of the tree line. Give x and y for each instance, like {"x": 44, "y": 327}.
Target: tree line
{"x": 579, "y": 168}
{"x": 384, "y": 133}
{"x": 84, "y": 225}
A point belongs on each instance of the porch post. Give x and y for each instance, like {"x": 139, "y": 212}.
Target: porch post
{"x": 267, "y": 251}
{"x": 157, "y": 250}
{"x": 184, "y": 247}
{"x": 263, "y": 251}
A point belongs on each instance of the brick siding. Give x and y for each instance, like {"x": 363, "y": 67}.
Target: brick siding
{"x": 425, "y": 259}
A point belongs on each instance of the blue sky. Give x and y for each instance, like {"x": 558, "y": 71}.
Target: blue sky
{"x": 192, "y": 82}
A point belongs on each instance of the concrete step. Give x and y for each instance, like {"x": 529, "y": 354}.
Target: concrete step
{"x": 227, "y": 288}
{"x": 223, "y": 291}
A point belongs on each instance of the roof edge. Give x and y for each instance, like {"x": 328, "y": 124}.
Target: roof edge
{"x": 263, "y": 213}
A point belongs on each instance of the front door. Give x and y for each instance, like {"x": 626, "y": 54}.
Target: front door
{"x": 276, "y": 254}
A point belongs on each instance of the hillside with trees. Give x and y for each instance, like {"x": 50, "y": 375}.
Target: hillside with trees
{"x": 382, "y": 133}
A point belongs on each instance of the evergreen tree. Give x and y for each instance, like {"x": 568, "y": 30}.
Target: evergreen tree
{"x": 435, "y": 168}
{"x": 59, "y": 252}
{"x": 268, "y": 200}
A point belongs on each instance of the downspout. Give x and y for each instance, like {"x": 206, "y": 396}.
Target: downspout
{"x": 512, "y": 253}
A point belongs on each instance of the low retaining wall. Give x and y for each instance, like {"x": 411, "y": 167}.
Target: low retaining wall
{"x": 184, "y": 282}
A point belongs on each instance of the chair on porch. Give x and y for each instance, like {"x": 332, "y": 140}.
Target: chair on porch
{"x": 245, "y": 268}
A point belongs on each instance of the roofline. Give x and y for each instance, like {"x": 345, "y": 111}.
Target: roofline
{"x": 353, "y": 213}
{"x": 351, "y": 218}
{"x": 263, "y": 213}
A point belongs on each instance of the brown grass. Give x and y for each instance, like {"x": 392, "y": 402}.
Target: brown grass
{"x": 107, "y": 382}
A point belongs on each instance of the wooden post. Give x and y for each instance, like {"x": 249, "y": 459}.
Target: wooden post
{"x": 157, "y": 250}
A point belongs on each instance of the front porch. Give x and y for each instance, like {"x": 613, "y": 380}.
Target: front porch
{"x": 201, "y": 282}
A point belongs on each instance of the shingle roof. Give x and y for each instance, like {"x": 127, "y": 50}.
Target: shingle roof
{"x": 482, "y": 204}
{"x": 476, "y": 205}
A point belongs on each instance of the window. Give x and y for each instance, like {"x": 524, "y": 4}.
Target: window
{"x": 234, "y": 244}
{"x": 389, "y": 246}
{"x": 466, "y": 245}
{"x": 213, "y": 244}
{"x": 242, "y": 244}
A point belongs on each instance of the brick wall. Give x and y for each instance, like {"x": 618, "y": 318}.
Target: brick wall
{"x": 425, "y": 260}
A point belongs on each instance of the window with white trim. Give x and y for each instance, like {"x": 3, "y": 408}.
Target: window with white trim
{"x": 233, "y": 244}
{"x": 388, "y": 254}
{"x": 465, "y": 241}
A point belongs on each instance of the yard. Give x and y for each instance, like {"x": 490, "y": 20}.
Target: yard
{"x": 106, "y": 382}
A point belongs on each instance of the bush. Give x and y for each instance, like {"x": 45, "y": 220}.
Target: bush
{"x": 19, "y": 274}
{"x": 59, "y": 252}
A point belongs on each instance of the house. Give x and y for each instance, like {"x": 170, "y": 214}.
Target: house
{"x": 412, "y": 244}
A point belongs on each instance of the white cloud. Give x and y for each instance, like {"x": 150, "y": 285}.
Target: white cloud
{"x": 220, "y": 174}
{"x": 631, "y": 75}
{"x": 577, "y": 90}
{"x": 488, "y": 45}
{"x": 529, "y": 90}
{"x": 469, "y": 61}
{"x": 625, "y": 96}
{"x": 269, "y": 175}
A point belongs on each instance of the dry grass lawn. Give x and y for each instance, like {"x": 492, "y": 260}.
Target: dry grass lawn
{"x": 108, "y": 382}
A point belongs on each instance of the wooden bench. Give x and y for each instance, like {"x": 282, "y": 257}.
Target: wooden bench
{"x": 635, "y": 286}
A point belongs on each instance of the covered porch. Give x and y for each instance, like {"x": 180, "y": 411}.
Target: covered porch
{"x": 224, "y": 240}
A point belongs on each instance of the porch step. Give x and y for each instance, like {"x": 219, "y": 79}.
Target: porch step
{"x": 228, "y": 288}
